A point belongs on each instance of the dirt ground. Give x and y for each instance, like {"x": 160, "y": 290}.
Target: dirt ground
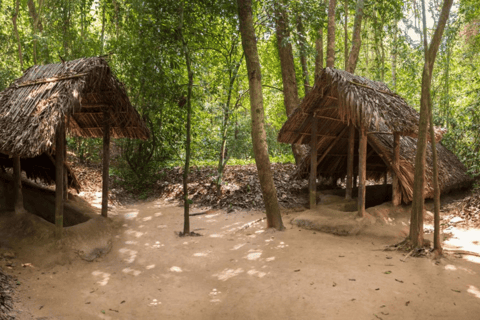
{"x": 238, "y": 270}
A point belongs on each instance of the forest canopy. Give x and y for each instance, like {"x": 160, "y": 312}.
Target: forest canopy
{"x": 145, "y": 41}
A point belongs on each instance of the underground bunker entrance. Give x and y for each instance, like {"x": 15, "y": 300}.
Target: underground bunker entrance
{"x": 375, "y": 195}
{"x": 41, "y": 202}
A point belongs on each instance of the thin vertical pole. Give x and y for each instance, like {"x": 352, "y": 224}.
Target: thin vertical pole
{"x": 17, "y": 185}
{"x": 106, "y": 161}
{"x": 313, "y": 165}
{"x": 396, "y": 193}
{"x": 362, "y": 171}
{"x": 350, "y": 156}
{"x": 59, "y": 178}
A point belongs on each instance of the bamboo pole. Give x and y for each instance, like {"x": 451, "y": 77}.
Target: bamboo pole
{"x": 350, "y": 156}
{"x": 17, "y": 185}
{"x": 106, "y": 161}
{"x": 313, "y": 165}
{"x": 59, "y": 178}
{"x": 396, "y": 193}
{"x": 362, "y": 171}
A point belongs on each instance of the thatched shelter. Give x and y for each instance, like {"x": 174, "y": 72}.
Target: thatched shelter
{"x": 82, "y": 97}
{"x": 340, "y": 110}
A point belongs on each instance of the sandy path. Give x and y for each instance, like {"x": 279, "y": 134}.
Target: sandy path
{"x": 151, "y": 273}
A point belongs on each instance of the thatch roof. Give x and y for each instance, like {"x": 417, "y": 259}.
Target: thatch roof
{"x": 340, "y": 98}
{"x": 32, "y": 107}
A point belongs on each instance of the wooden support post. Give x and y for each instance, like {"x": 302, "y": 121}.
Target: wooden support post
{"x": 17, "y": 186}
{"x": 350, "y": 156}
{"x": 396, "y": 193}
{"x": 65, "y": 172}
{"x": 59, "y": 178}
{"x": 362, "y": 171}
{"x": 106, "y": 161}
{"x": 313, "y": 165}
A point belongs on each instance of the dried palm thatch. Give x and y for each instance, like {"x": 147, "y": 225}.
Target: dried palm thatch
{"x": 32, "y": 107}
{"x": 78, "y": 91}
{"x": 339, "y": 99}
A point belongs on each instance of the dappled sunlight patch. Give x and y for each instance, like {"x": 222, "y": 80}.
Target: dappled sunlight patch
{"x": 270, "y": 259}
{"x": 473, "y": 259}
{"x": 256, "y": 273}
{"x": 137, "y": 234}
{"x": 282, "y": 245}
{"x": 238, "y": 246}
{"x": 465, "y": 239}
{"x": 154, "y": 303}
{"x": 131, "y": 242}
{"x": 157, "y": 245}
{"x": 147, "y": 218}
{"x": 131, "y": 215}
{"x": 161, "y": 226}
{"x": 176, "y": 269}
{"x": 150, "y": 267}
{"x": 210, "y": 220}
{"x": 201, "y": 254}
{"x": 214, "y": 295}
{"x": 157, "y": 214}
{"x": 132, "y": 254}
{"x": 260, "y": 231}
{"x": 228, "y": 273}
{"x": 474, "y": 291}
{"x": 105, "y": 277}
{"x": 231, "y": 225}
{"x": 131, "y": 271}
{"x": 450, "y": 267}
{"x": 253, "y": 254}
{"x": 216, "y": 235}
{"x": 208, "y": 216}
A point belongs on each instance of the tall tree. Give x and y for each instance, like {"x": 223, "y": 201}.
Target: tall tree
{"x": 15, "y": 30}
{"x": 259, "y": 138}
{"x": 289, "y": 80}
{"x": 319, "y": 44}
{"x": 416, "y": 221}
{"x": 302, "y": 41}
{"x": 331, "y": 34}
{"x": 356, "y": 38}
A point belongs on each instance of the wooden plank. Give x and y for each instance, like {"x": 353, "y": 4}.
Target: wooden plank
{"x": 106, "y": 161}
{"x": 350, "y": 156}
{"x": 65, "y": 173}
{"x": 59, "y": 178}
{"x": 17, "y": 186}
{"x": 334, "y": 142}
{"x": 313, "y": 165}
{"x": 362, "y": 171}
{"x": 396, "y": 193}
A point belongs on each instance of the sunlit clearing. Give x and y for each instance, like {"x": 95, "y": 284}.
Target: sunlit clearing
{"x": 147, "y": 218}
{"x": 154, "y": 303}
{"x": 175, "y": 269}
{"x": 131, "y": 215}
{"x": 216, "y": 235}
{"x": 254, "y": 254}
{"x": 131, "y": 271}
{"x": 474, "y": 290}
{"x": 106, "y": 277}
{"x": 150, "y": 267}
{"x": 238, "y": 246}
{"x": 450, "y": 267}
{"x": 270, "y": 259}
{"x": 227, "y": 274}
{"x": 254, "y": 272}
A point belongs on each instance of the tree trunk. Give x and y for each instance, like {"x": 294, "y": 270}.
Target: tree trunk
{"x": 106, "y": 161}
{"x": 259, "y": 137}
{"x": 59, "y": 166}
{"x": 416, "y": 221}
{"x": 331, "y": 34}
{"x": 396, "y": 192}
{"x": 356, "y": 38}
{"x": 345, "y": 29}
{"x": 394, "y": 58}
{"x": 437, "y": 243}
{"x": 319, "y": 48}
{"x": 303, "y": 54}
{"x": 350, "y": 158}
{"x": 15, "y": 30}
{"x": 313, "y": 165}
{"x": 290, "y": 89}
{"x": 362, "y": 170}
{"x": 186, "y": 170}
